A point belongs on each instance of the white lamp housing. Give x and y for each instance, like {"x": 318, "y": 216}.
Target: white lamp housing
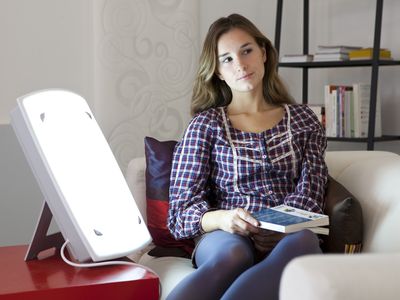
{"x": 78, "y": 175}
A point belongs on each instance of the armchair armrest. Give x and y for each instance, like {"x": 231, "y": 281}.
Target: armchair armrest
{"x": 337, "y": 277}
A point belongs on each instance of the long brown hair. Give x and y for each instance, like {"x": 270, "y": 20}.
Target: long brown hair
{"x": 210, "y": 91}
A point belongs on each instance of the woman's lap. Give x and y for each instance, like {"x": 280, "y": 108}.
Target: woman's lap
{"x": 227, "y": 269}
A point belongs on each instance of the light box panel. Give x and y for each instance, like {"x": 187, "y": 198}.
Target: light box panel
{"x": 78, "y": 175}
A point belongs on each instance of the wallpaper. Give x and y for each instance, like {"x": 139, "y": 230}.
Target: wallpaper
{"x": 146, "y": 54}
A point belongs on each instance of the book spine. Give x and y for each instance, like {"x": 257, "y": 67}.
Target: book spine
{"x": 362, "y": 96}
{"x": 339, "y": 111}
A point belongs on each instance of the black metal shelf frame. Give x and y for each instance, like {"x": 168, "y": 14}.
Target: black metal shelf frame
{"x": 373, "y": 63}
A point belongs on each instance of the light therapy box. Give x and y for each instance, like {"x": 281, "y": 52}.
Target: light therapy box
{"x": 83, "y": 186}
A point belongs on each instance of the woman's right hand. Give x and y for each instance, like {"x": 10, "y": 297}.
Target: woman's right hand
{"x": 236, "y": 220}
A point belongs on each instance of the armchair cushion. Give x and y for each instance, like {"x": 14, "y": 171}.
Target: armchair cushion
{"x": 346, "y": 220}
{"x": 158, "y": 170}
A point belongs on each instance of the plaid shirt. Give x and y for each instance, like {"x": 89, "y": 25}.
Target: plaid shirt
{"x": 216, "y": 166}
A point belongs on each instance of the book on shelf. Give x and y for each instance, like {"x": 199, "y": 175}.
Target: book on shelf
{"x": 334, "y": 52}
{"x": 284, "y": 218}
{"x": 330, "y": 56}
{"x": 347, "y": 111}
{"x": 288, "y": 58}
{"x": 336, "y": 48}
{"x": 362, "y": 96}
{"x": 367, "y": 53}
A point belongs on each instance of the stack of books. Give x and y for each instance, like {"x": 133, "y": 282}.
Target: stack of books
{"x": 334, "y": 53}
{"x": 288, "y": 58}
{"x": 347, "y": 111}
{"x": 366, "y": 53}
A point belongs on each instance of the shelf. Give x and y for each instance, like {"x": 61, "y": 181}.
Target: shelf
{"x": 339, "y": 64}
{"x": 384, "y": 138}
{"x": 373, "y": 63}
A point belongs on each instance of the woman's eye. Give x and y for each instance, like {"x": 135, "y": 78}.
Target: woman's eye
{"x": 227, "y": 60}
{"x": 247, "y": 51}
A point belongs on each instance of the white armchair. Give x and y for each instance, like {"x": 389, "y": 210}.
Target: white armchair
{"x": 373, "y": 177}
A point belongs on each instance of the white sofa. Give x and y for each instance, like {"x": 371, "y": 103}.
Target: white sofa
{"x": 373, "y": 177}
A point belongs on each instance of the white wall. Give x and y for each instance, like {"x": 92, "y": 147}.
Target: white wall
{"x": 44, "y": 44}
{"x": 49, "y": 43}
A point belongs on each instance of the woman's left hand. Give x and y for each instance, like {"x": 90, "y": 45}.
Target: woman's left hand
{"x": 265, "y": 240}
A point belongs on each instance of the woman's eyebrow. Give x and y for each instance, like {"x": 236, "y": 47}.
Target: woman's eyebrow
{"x": 241, "y": 47}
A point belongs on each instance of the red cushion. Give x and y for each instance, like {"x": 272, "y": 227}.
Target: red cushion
{"x": 158, "y": 170}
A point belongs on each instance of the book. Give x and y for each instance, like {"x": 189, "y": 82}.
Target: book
{"x": 284, "y": 218}
{"x": 331, "y": 114}
{"x": 366, "y": 53}
{"x": 330, "y": 56}
{"x": 296, "y": 58}
{"x": 334, "y": 53}
{"x": 336, "y": 48}
{"x": 347, "y": 111}
{"x": 362, "y": 96}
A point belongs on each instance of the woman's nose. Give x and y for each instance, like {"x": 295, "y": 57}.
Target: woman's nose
{"x": 240, "y": 65}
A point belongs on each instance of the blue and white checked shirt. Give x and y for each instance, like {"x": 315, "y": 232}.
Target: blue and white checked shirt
{"x": 216, "y": 166}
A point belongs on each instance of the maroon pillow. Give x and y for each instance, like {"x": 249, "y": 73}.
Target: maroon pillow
{"x": 158, "y": 170}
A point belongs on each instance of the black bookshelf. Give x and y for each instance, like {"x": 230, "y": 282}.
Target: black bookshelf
{"x": 338, "y": 64}
{"x": 373, "y": 63}
{"x": 384, "y": 138}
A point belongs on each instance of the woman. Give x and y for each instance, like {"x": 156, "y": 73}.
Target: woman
{"x": 247, "y": 147}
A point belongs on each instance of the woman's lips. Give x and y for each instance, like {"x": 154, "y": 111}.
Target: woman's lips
{"x": 245, "y": 77}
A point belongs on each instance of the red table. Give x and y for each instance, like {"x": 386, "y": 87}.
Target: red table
{"x": 52, "y": 278}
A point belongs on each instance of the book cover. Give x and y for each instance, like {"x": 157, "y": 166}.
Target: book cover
{"x": 287, "y": 58}
{"x": 336, "y": 48}
{"x": 330, "y": 110}
{"x": 361, "y": 107}
{"x": 284, "y": 218}
{"x": 330, "y": 56}
{"x": 366, "y": 53}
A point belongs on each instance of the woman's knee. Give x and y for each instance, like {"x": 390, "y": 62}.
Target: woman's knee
{"x": 240, "y": 254}
{"x": 305, "y": 241}
{"x": 231, "y": 253}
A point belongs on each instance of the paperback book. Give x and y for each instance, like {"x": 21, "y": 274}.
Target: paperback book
{"x": 289, "y": 58}
{"x": 284, "y": 218}
{"x": 336, "y": 48}
{"x": 366, "y": 53}
{"x": 334, "y": 53}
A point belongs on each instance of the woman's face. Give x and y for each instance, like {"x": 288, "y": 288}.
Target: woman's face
{"x": 240, "y": 61}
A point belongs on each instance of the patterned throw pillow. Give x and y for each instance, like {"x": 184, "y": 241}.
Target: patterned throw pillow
{"x": 158, "y": 169}
{"x": 345, "y": 218}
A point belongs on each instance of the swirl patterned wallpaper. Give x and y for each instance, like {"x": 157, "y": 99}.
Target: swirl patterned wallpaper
{"x": 146, "y": 54}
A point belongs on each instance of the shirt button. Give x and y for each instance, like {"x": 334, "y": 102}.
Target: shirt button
{"x": 270, "y": 192}
{"x": 264, "y": 156}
